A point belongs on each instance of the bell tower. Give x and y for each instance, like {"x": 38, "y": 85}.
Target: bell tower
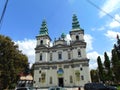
{"x": 76, "y": 33}
{"x": 43, "y": 37}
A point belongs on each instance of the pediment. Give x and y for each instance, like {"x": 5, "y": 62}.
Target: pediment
{"x": 59, "y": 46}
{"x": 78, "y": 42}
{"x": 40, "y": 47}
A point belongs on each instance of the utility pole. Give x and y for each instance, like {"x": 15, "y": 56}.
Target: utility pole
{"x": 3, "y": 13}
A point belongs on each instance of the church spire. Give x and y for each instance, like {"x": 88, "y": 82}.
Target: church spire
{"x": 75, "y": 22}
{"x": 43, "y": 29}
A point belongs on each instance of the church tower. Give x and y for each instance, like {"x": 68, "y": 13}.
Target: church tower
{"x": 43, "y": 41}
{"x": 77, "y": 39}
{"x": 76, "y": 33}
{"x": 43, "y": 38}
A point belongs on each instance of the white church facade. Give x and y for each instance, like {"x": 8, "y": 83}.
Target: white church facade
{"x": 63, "y": 64}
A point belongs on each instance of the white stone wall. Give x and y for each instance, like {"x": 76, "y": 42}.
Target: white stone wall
{"x": 67, "y": 73}
{"x": 74, "y": 55}
{"x": 60, "y": 42}
{"x": 36, "y": 78}
{"x": 45, "y": 40}
{"x": 73, "y": 37}
{"x": 37, "y": 57}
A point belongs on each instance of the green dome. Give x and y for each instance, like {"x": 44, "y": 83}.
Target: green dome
{"x": 63, "y": 35}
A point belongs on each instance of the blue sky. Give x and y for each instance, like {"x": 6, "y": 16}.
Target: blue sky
{"x": 22, "y": 22}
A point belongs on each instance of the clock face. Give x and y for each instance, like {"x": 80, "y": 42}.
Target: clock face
{"x": 60, "y": 72}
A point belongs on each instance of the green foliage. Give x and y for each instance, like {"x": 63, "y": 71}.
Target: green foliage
{"x": 116, "y": 60}
{"x": 118, "y": 88}
{"x": 106, "y": 61}
{"x": 27, "y": 70}
{"x": 94, "y": 75}
{"x": 116, "y": 65}
{"x": 107, "y": 69}
{"x": 12, "y": 62}
{"x": 100, "y": 69}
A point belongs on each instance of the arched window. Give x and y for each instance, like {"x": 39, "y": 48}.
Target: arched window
{"x": 43, "y": 75}
{"x": 50, "y": 56}
{"x": 69, "y": 55}
{"x": 77, "y": 37}
{"x": 41, "y": 42}
{"x": 41, "y": 57}
{"x": 82, "y": 77}
{"x": 50, "y": 80}
{"x": 79, "y": 53}
{"x": 71, "y": 79}
{"x": 59, "y": 55}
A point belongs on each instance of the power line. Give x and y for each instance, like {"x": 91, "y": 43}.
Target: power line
{"x": 90, "y": 2}
{"x": 3, "y": 13}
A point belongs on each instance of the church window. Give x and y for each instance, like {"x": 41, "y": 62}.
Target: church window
{"x": 77, "y": 74}
{"x": 39, "y": 79}
{"x": 82, "y": 77}
{"x": 43, "y": 77}
{"x": 77, "y": 37}
{"x": 79, "y": 53}
{"x": 50, "y": 80}
{"x": 71, "y": 79}
{"x": 41, "y": 42}
{"x": 50, "y": 56}
{"x": 59, "y": 55}
{"x": 69, "y": 55}
{"x": 81, "y": 68}
{"x": 41, "y": 57}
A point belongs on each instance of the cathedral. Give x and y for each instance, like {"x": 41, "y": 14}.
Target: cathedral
{"x": 62, "y": 64}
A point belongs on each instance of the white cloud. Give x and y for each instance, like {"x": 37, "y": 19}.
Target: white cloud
{"x": 112, "y": 34}
{"x": 98, "y": 29}
{"x": 115, "y": 23}
{"x": 93, "y": 55}
{"x": 101, "y": 28}
{"x": 68, "y": 38}
{"x": 93, "y": 59}
{"x": 93, "y": 65}
{"x": 27, "y": 46}
{"x": 109, "y": 54}
{"x": 109, "y": 6}
{"x": 89, "y": 40}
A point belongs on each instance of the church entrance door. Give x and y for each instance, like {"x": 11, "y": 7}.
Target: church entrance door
{"x": 60, "y": 82}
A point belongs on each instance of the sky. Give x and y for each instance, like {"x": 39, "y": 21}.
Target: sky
{"x": 101, "y": 24}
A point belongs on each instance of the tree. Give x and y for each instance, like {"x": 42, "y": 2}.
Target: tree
{"x": 108, "y": 71}
{"x": 106, "y": 61}
{"x": 12, "y": 62}
{"x": 100, "y": 69}
{"x": 116, "y": 60}
{"x": 94, "y": 75}
{"x": 27, "y": 70}
{"x": 115, "y": 65}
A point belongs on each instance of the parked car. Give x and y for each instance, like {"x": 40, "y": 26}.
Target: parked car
{"x": 23, "y": 88}
{"x": 112, "y": 87}
{"x": 56, "y": 88}
{"x": 98, "y": 86}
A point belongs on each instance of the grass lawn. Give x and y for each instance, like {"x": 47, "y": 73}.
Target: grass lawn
{"x": 118, "y": 88}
